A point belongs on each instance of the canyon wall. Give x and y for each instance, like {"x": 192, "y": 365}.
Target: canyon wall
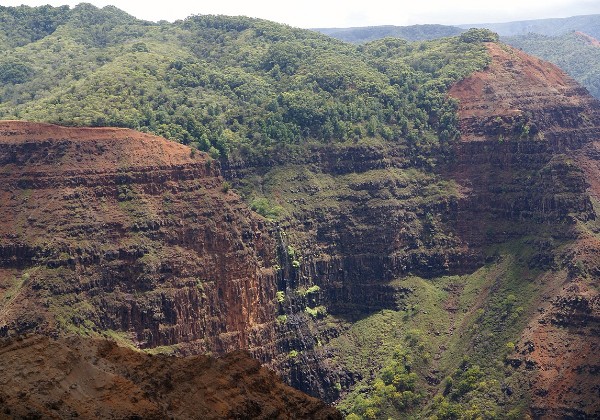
{"x": 114, "y": 230}
{"x": 529, "y": 158}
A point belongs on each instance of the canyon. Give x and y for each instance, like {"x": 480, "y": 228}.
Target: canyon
{"x": 489, "y": 250}
{"x": 125, "y": 232}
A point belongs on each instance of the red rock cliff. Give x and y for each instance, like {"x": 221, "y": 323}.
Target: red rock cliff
{"x": 528, "y": 164}
{"x": 111, "y": 229}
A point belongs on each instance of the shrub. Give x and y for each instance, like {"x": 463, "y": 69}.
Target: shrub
{"x": 225, "y": 187}
{"x": 263, "y": 207}
{"x": 317, "y": 312}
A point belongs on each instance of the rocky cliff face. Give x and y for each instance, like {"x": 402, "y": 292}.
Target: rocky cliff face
{"x": 521, "y": 97}
{"x": 114, "y": 230}
{"x": 558, "y": 349}
{"x": 362, "y": 216}
{"x": 523, "y": 121}
{"x": 75, "y": 377}
{"x": 529, "y": 163}
{"x": 358, "y": 217}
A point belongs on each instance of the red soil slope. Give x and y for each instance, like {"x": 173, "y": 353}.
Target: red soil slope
{"x": 73, "y": 377}
{"x": 519, "y": 90}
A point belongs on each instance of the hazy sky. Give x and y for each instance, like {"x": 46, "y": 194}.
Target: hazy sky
{"x": 343, "y": 13}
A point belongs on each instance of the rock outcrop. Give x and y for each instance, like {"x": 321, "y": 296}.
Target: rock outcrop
{"x": 76, "y": 377}
{"x": 521, "y": 97}
{"x": 529, "y": 165}
{"x": 522, "y": 120}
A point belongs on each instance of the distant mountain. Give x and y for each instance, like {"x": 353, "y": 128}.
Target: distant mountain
{"x": 409, "y": 33}
{"x": 590, "y": 24}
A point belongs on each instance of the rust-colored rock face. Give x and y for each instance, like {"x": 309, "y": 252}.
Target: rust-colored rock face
{"x": 520, "y": 96}
{"x": 111, "y": 229}
{"x": 522, "y": 120}
{"x": 559, "y": 351}
{"x": 74, "y": 377}
{"x": 529, "y": 164}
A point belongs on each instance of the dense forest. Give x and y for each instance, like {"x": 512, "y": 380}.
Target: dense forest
{"x": 225, "y": 85}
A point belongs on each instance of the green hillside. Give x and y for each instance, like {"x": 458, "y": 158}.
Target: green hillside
{"x": 226, "y": 85}
{"x": 554, "y": 40}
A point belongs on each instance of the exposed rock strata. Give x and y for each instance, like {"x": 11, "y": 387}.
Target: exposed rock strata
{"x": 521, "y": 97}
{"x": 522, "y": 120}
{"x": 184, "y": 262}
{"x": 529, "y": 165}
{"x": 110, "y": 229}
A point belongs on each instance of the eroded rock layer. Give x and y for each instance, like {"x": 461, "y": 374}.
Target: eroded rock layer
{"x": 529, "y": 165}
{"x": 115, "y": 230}
{"x": 521, "y": 97}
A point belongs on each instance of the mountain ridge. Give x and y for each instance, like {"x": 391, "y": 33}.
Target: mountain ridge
{"x": 554, "y": 40}
{"x": 424, "y": 32}
{"x": 549, "y": 26}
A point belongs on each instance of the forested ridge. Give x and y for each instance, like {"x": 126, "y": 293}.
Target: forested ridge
{"x": 562, "y": 41}
{"x": 227, "y": 84}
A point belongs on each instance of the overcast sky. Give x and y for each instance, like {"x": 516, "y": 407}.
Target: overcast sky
{"x": 344, "y": 13}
